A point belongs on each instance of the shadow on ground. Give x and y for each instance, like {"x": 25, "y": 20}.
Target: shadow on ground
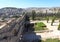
{"x": 29, "y": 34}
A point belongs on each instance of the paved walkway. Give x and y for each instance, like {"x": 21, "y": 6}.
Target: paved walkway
{"x": 54, "y": 34}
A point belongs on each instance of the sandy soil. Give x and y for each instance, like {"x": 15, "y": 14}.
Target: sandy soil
{"x": 54, "y": 34}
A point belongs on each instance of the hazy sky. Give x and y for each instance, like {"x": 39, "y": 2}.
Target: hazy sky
{"x": 29, "y": 3}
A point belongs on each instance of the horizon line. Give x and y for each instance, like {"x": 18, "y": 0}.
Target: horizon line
{"x": 31, "y": 7}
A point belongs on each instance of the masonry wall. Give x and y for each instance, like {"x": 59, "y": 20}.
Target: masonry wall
{"x": 7, "y": 33}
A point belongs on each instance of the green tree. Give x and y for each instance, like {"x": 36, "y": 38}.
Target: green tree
{"x": 33, "y": 14}
{"x": 53, "y": 20}
{"x": 59, "y": 27}
{"x": 59, "y": 20}
{"x": 47, "y": 19}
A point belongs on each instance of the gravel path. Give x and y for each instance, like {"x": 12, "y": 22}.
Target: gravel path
{"x": 54, "y": 34}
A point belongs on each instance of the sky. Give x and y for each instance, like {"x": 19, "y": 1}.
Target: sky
{"x": 29, "y": 3}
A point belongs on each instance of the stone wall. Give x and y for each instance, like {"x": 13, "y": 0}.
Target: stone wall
{"x": 17, "y": 26}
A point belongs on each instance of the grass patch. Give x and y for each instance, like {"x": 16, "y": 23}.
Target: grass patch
{"x": 39, "y": 26}
{"x": 52, "y": 40}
